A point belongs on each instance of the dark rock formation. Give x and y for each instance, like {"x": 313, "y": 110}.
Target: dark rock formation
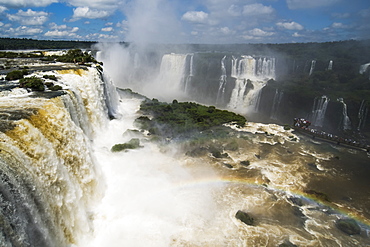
{"x": 348, "y": 226}
{"x": 245, "y": 218}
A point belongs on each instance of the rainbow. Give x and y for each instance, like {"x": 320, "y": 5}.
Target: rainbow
{"x": 211, "y": 181}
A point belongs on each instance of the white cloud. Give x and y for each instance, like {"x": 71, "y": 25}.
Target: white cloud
{"x": 29, "y": 17}
{"x": 24, "y": 31}
{"x": 74, "y": 29}
{"x": 86, "y": 12}
{"x": 63, "y": 33}
{"x": 195, "y": 16}
{"x": 109, "y": 23}
{"x": 260, "y": 33}
{"x": 26, "y": 3}
{"x": 227, "y": 31}
{"x": 2, "y": 9}
{"x": 306, "y": 4}
{"x": 234, "y": 10}
{"x": 257, "y": 9}
{"x": 339, "y": 25}
{"x": 296, "y": 34}
{"x": 53, "y": 25}
{"x": 107, "y": 29}
{"x": 290, "y": 25}
{"x": 110, "y": 5}
{"x": 341, "y": 15}
{"x": 1, "y": 24}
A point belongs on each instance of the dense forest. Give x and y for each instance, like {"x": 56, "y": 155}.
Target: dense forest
{"x": 24, "y": 44}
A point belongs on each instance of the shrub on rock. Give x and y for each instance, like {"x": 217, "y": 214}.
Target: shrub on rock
{"x": 132, "y": 144}
{"x": 34, "y": 83}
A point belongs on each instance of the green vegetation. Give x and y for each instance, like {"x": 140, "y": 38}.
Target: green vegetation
{"x": 50, "y": 77}
{"x": 16, "y": 75}
{"x": 34, "y": 83}
{"x": 76, "y": 56}
{"x": 23, "y": 44}
{"x": 55, "y": 88}
{"x": 134, "y": 143}
{"x": 183, "y": 119}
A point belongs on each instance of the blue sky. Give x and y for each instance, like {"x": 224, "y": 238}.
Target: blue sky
{"x": 187, "y": 21}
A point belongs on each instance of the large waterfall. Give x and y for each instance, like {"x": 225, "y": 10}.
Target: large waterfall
{"x": 251, "y": 75}
{"x": 49, "y": 179}
{"x": 60, "y": 184}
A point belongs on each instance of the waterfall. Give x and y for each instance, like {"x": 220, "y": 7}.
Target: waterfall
{"x": 346, "y": 122}
{"x": 313, "y": 63}
{"x": 222, "y": 85}
{"x": 191, "y": 73}
{"x": 48, "y": 177}
{"x": 170, "y": 82}
{"x": 276, "y": 104}
{"x": 251, "y": 76}
{"x": 362, "y": 115}
{"x": 330, "y": 66}
{"x": 364, "y": 68}
{"x": 318, "y": 110}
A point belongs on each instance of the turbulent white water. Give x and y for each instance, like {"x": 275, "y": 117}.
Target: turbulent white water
{"x": 49, "y": 175}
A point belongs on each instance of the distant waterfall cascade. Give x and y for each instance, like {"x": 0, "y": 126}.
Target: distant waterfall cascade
{"x": 222, "y": 85}
{"x": 251, "y": 76}
{"x": 276, "y": 104}
{"x": 190, "y": 74}
{"x": 318, "y": 110}
{"x": 346, "y": 122}
{"x": 48, "y": 177}
{"x": 312, "y": 68}
{"x": 362, "y": 115}
{"x": 365, "y": 69}
{"x": 330, "y": 66}
{"x": 172, "y": 70}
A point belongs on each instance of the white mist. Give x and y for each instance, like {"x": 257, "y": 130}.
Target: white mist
{"x": 150, "y": 197}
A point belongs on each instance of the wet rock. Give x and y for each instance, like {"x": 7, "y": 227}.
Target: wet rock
{"x": 244, "y": 217}
{"x": 245, "y": 163}
{"x": 348, "y": 226}
{"x": 296, "y": 201}
{"x": 287, "y": 243}
{"x": 319, "y": 195}
{"x": 227, "y": 165}
{"x": 197, "y": 152}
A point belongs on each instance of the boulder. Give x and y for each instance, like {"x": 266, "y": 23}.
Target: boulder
{"x": 348, "y": 226}
{"x": 244, "y": 217}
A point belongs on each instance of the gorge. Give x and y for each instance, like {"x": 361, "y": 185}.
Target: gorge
{"x": 62, "y": 186}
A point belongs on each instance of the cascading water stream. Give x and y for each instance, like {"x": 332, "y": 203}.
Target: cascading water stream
{"x": 330, "y": 66}
{"x": 276, "y": 104}
{"x": 49, "y": 176}
{"x": 171, "y": 79}
{"x": 191, "y": 73}
{"x": 222, "y": 85}
{"x": 319, "y": 107}
{"x": 312, "y": 68}
{"x": 345, "y": 122}
{"x": 362, "y": 115}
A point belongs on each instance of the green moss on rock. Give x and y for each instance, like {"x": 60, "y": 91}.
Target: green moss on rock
{"x": 134, "y": 143}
